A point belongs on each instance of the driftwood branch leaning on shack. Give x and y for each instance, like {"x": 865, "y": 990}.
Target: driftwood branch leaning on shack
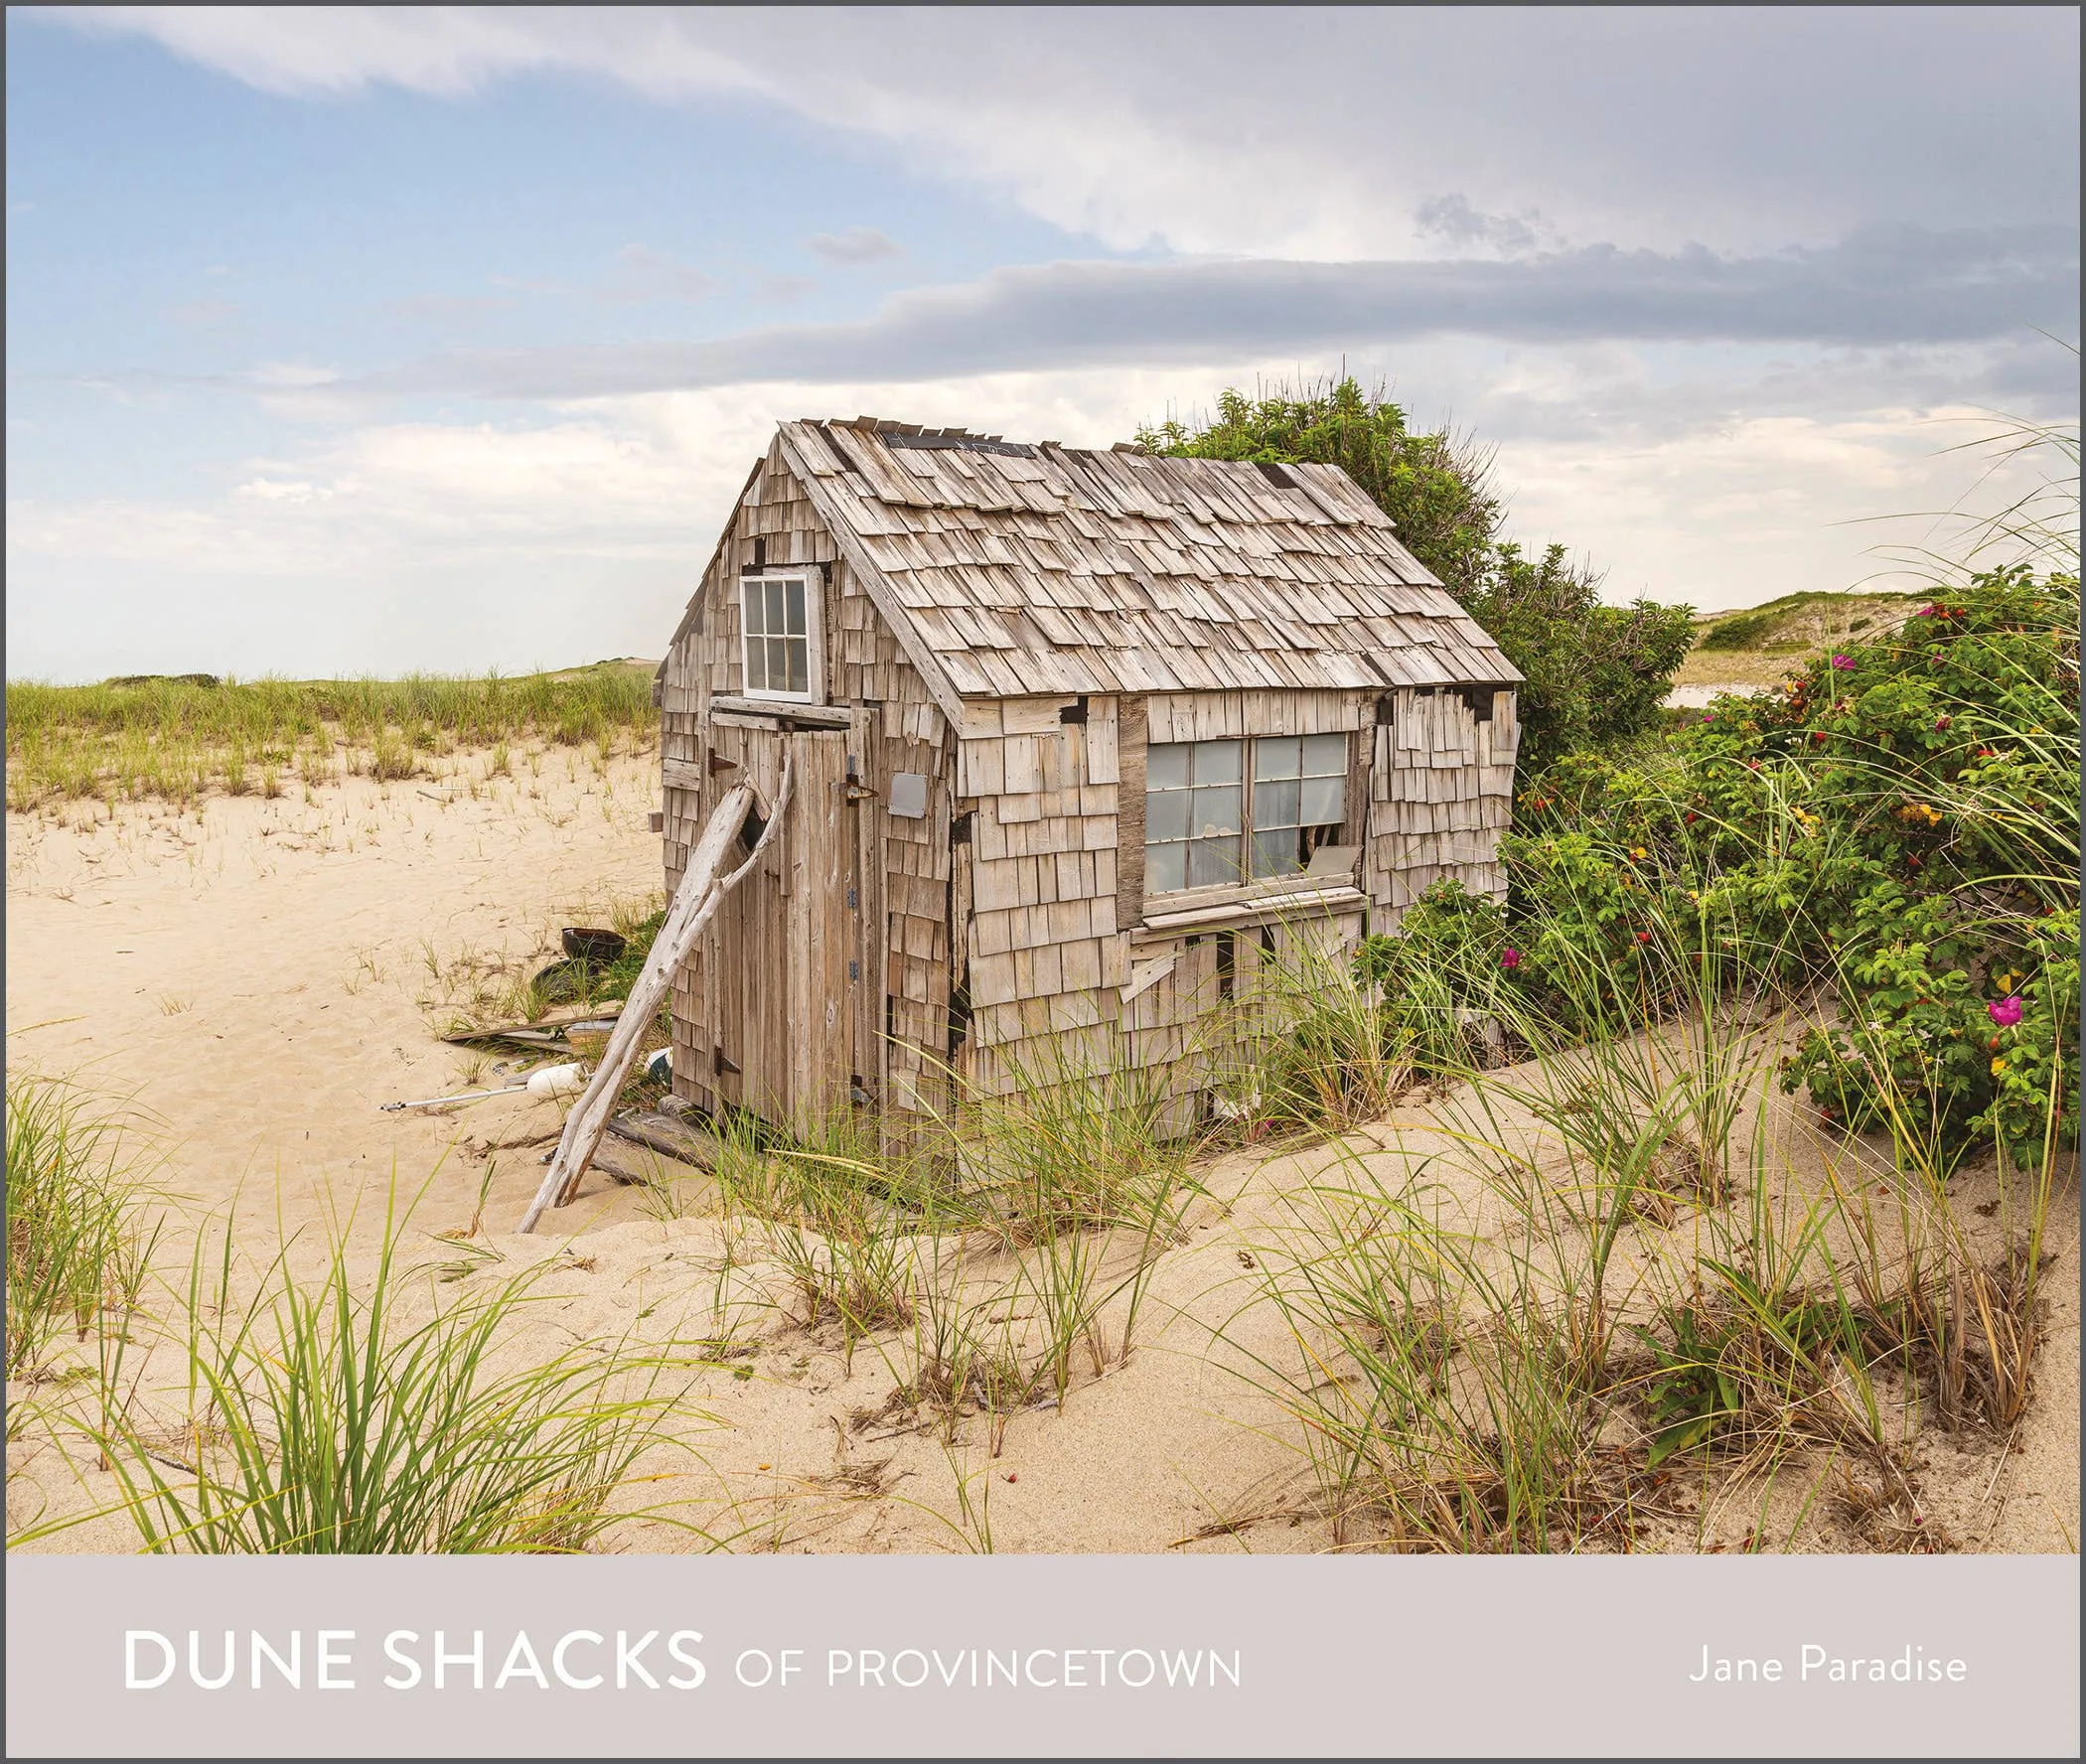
{"x": 695, "y": 903}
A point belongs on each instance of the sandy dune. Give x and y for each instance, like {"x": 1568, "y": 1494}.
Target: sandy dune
{"x": 261, "y": 976}
{"x": 257, "y": 975}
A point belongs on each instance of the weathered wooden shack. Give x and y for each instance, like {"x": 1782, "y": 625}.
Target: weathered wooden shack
{"x": 1075, "y": 735}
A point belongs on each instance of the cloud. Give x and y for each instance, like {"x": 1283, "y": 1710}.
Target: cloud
{"x": 292, "y": 376}
{"x": 1451, "y": 218}
{"x": 449, "y": 309}
{"x": 858, "y": 244}
{"x": 1900, "y": 285}
{"x": 1710, "y": 279}
{"x": 441, "y": 52}
{"x": 301, "y": 489}
{"x": 647, "y": 275}
{"x": 1749, "y": 128}
{"x": 205, "y": 314}
{"x": 1710, "y": 491}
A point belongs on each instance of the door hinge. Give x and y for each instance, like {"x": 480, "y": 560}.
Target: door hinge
{"x": 720, "y": 1064}
{"x": 854, "y": 970}
{"x": 861, "y": 793}
{"x": 851, "y": 896}
{"x": 719, "y": 763}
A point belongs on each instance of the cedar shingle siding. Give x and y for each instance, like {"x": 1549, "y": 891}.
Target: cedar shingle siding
{"x": 1015, "y": 626}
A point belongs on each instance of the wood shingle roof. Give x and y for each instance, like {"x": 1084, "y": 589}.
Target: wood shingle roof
{"x": 1048, "y": 569}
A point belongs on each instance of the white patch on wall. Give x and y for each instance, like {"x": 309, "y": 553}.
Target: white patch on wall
{"x": 909, "y": 796}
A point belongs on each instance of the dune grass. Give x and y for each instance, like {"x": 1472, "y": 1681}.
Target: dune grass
{"x": 79, "y": 1235}
{"x": 374, "y": 1411}
{"x": 1509, "y": 1332}
{"x": 992, "y": 1254}
{"x": 177, "y": 739}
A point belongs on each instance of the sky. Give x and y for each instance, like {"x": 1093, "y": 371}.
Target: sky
{"x": 345, "y": 340}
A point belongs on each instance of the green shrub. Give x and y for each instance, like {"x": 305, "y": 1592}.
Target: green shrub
{"x": 1596, "y": 676}
{"x": 1741, "y": 632}
{"x": 1898, "y": 825}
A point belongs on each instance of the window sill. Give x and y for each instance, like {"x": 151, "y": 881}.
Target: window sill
{"x": 803, "y": 710}
{"x": 743, "y": 701}
{"x": 1168, "y": 917}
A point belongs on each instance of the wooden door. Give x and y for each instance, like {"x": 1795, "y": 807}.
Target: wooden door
{"x": 775, "y": 989}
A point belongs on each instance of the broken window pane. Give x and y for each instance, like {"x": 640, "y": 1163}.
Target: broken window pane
{"x": 1204, "y": 828}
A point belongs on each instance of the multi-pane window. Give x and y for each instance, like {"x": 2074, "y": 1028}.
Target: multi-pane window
{"x": 1194, "y": 813}
{"x": 1231, "y": 811}
{"x": 776, "y": 629}
{"x": 1299, "y": 799}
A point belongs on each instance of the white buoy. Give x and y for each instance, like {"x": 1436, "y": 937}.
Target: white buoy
{"x": 557, "y": 1081}
{"x": 547, "y": 1080}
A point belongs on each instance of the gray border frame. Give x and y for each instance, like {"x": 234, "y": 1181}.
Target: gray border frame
{"x": 1335, "y": 1655}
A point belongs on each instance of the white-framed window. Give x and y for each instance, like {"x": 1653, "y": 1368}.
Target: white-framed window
{"x": 780, "y": 636}
{"x": 1227, "y": 812}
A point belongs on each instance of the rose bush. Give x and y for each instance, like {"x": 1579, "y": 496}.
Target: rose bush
{"x": 1897, "y": 827}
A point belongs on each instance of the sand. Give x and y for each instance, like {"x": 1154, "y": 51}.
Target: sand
{"x": 259, "y": 976}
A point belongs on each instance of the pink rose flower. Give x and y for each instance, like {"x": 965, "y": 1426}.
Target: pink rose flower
{"x": 2006, "y": 1012}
